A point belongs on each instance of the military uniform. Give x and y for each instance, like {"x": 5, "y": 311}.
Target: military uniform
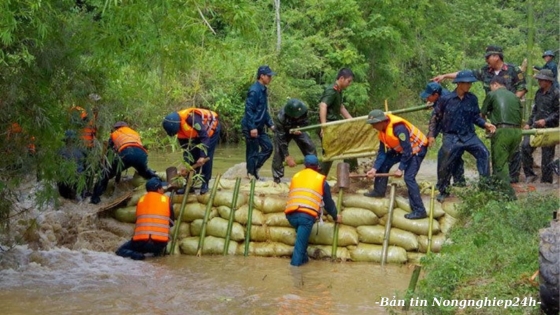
{"x": 282, "y": 137}
{"x": 332, "y": 96}
{"x": 550, "y": 65}
{"x": 546, "y": 107}
{"x": 503, "y": 108}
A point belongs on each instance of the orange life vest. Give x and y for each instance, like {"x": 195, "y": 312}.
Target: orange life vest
{"x": 209, "y": 120}
{"x": 89, "y": 132}
{"x": 417, "y": 138}
{"x": 306, "y": 193}
{"x": 152, "y": 218}
{"x": 15, "y": 133}
{"x": 125, "y": 137}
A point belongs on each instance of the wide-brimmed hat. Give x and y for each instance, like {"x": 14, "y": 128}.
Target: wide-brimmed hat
{"x": 548, "y": 53}
{"x": 376, "y": 116}
{"x": 465, "y": 76}
{"x": 545, "y": 74}
{"x": 493, "y": 50}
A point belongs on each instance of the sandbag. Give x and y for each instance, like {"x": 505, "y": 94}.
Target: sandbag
{"x": 415, "y": 257}
{"x": 218, "y": 227}
{"x": 223, "y": 198}
{"x": 193, "y": 211}
{"x": 126, "y": 215}
{"x": 375, "y": 234}
{"x": 276, "y": 219}
{"x": 402, "y": 203}
{"x": 133, "y": 201}
{"x": 119, "y": 228}
{"x": 178, "y": 198}
{"x": 372, "y": 253}
{"x": 451, "y": 208}
{"x": 259, "y": 233}
{"x": 175, "y": 251}
{"x": 437, "y": 242}
{"x": 269, "y": 204}
{"x": 184, "y": 230}
{"x": 212, "y": 246}
{"x": 347, "y": 235}
{"x": 196, "y": 227}
{"x": 419, "y": 227}
{"x": 446, "y": 223}
{"x": 242, "y": 216}
{"x": 325, "y": 251}
{"x": 379, "y": 206}
{"x": 223, "y": 212}
{"x": 283, "y": 235}
{"x": 268, "y": 249}
{"x": 357, "y": 217}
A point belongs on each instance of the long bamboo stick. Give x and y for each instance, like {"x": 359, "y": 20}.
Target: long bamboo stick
{"x": 249, "y": 217}
{"x": 345, "y": 121}
{"x": 540, "y": 131}
{"x": 178, "y": 220}
{"x": 207, "y": 215}
{"x": 388, "y": 226}
{"x": 339, "y": 157}
{"x": 336, "y": 225}
{"x": 530, "y": 42}
{"x": 431, "y": 223}
{"x": 232, "y": 213}
{"x": 412, "y": 286}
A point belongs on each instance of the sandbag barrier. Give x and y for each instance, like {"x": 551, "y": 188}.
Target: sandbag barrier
{"x": 360, "y": 236}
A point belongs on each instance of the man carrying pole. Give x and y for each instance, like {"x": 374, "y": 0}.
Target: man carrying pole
{"x": 400, "y": 142}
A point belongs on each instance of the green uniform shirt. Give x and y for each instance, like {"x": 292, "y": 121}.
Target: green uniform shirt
{"x": 333, "y": 98}
{"x": 502, "y": 107}
{"x": 515, "y": 79}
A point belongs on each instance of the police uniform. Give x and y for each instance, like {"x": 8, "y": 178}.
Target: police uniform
{"x": 503, "y": 108}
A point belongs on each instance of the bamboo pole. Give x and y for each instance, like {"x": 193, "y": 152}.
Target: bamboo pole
{"x": 412, "y": 286}
{"x": 206, "y": 215}
{"x": 360, "y": 118}
{"x": 540, "y": 131}
{"x": 388, "y": 226}
{"x": 232, "y": 213}
{"x": 339, "y": 157}
{"x": 530, "y": 42}
{"x": 431, "y": 223}
{"x": 249, "y": 217}
{"x": 178, "y": 220}
{"x": 336, "y": 225}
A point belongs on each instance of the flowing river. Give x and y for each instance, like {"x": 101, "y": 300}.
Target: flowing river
{"x": 59, "y": 280}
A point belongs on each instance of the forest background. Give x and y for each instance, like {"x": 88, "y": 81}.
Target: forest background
{"x": 148, "y": 58}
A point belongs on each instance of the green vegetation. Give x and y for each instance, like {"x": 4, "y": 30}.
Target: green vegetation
{"x": 494, "y": 252}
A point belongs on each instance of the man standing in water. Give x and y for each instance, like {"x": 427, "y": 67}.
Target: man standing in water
{"x": 154, "y": 215}
{"x": 308, "y": 191}
{"x": 256, "y": 118}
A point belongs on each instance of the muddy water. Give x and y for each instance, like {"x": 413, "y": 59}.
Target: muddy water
{"x": 61, "y": 281}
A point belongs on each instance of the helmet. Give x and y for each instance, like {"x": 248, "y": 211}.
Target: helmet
{"x": 295, "y": 108}
{"x": 120, "y": 124}
{"x": 548, "y": 53}
{"x": 171, "y": 124}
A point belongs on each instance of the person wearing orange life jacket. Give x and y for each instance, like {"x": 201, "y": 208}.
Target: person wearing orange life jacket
{"x": 85, "y": 123}
{"x": 127, "y": 145}
{"x": 309, "y": 191}
{"x": 399, "y": 142}
{"x": 193, "y": 127}
{"x": 154, "y": 216}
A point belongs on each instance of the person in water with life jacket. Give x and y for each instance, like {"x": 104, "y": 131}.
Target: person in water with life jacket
{"x": 124, "y": 150}
{"x": 154, "y": 216}
{"x": 309, "y": 192}
{"x": 198, "y": 132}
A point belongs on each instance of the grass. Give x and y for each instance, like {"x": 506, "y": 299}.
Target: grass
{"x": 493, "y": 255}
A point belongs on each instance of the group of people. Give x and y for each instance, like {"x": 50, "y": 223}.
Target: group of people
{"x": 455, "y": 113}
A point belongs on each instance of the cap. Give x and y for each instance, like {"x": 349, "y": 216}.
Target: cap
{"x": 376, "y": 116}
{"x": 153, "y": 184}
{"x": 465, "y": 76}
{"x": 171, "y": 124}
{"x": 120, "y": 124}
{"x": 545, "y": 74}
{"x": 265, "y": 70}
{"x": 548, "y": 53}
{"x": 431, "y": 88}
{"x": 494, "y": 50}
{"x": 311, "y": 160}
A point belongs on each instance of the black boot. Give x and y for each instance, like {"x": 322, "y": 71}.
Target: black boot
{"x": 416, "y": 215}
{"x": 374, "y": 194}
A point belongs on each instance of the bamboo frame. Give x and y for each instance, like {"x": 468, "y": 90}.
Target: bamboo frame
{"x": 232, "y": 214}
{"x": 431, "y": 223}
{"x": 249, "y": 217}
{"x": 206, "y": 215}
{"x": 388, "y": 226}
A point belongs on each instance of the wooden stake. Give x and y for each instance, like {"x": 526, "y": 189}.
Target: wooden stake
{"x": 207, "y": 215}
{"x": 232, "y": 213}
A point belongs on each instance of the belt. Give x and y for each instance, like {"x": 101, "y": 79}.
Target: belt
{"x": 507, "y": 126}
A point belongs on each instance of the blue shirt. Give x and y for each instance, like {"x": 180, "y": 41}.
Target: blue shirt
{"x": 329, "y": 206}
{"x": 400, "y": 132}
{"x": 458, "y": 116}
{"x": 256, "y": 108}
{"x": 434, "y": 127}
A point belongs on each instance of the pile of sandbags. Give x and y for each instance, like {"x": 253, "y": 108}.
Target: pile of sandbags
{"x": 360, "y": 235}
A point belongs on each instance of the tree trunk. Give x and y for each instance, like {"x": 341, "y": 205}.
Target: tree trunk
{"x": 278, "y": 28}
